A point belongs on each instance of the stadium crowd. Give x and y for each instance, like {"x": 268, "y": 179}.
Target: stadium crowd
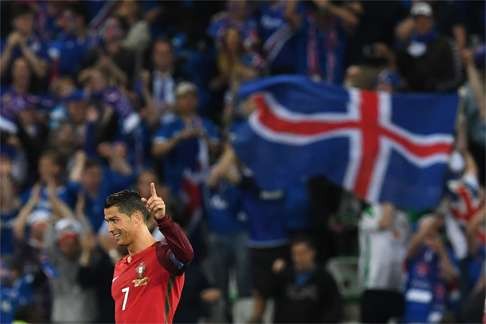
{"x": 98, "y": 96}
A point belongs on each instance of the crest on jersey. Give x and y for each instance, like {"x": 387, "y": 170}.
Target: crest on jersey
{"x": 141, "y": 279}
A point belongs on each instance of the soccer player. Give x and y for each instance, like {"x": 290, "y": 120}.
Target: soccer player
{"x": 147, "y": 283}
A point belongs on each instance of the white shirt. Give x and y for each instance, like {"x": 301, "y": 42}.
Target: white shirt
{"x": 382, "y": 252}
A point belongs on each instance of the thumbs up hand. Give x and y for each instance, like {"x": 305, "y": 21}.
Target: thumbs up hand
{"x": 155, "y": 204}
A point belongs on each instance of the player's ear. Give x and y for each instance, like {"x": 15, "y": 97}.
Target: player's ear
{"x": 137, "y": 217}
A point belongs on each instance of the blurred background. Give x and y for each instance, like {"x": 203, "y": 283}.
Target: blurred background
{"x": 98, "y": 96}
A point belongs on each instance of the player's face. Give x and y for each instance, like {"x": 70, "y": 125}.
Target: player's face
{"x": 120, "y": 226}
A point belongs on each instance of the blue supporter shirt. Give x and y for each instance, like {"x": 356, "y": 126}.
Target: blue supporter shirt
{"x": 37, "y": 46}
{"x": 265, "y": 211}
{"x": 14, "y": 296}
{"x": 189, "y": 154}
{"x": 278, "y": 38}
{"x": 223, "y": 209}
{"x": 297, "y": 207}
{"x": 425, "y": 293}
{"x": 320, "y": 53}
{"x": 248, "y": 29}
{"x": 67, "y": 193}
{"x": 70, "y": 51}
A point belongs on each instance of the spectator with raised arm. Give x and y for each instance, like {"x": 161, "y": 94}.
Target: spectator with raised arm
{"x": 427, "y": 60}
{"x": 22, "y": 42}
{"x": 475, "y": 106}
{"x": 430, "y": 268}
{"x": 383, "y": 232}
{"x": 184, "y": 139}
{"x": 96, "y": 181}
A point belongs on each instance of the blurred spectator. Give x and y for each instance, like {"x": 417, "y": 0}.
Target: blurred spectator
{"x": 276, "y": 30}
{"x": 138, "y": 36}
{"x": 71, "y": 301}
{"x": 184, "y": 139}
{"x": 306, "y": 291}
{"x": 112, "y": 56}
{"x": 198, "y": 295}
{"x": 237, "y": 15}
{"x": 9, "y": 206}
{"x": 430, "y": 269}
{"x": 383, "y": 235}
{"x": 322, "y": 38}
{"x": 427, "y": 60}
{"x": 96, "y": 182}
{"x": 235, "y": 64}
{"x": 70, "y": 47}
{"x": 227, "y": 237}
{"x": 450, "y": 19}
{"x": 268, "y": 236}
{"x": 475, "y": 107}
{"x": 51, "y": 178}
{"x": 15, "y": 291}
{"x": 22, "y": 112}
{"x": 96, "y": 271}
{"x": 159, "y": 83}
{"x": 377, "y": 20}
{"x": 22, "y": 42}
{"x": 474, "y": 292}
{"x": 18, "y": 95}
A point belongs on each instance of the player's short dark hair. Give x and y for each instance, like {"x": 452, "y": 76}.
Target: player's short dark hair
{"x": 128, "y": 202}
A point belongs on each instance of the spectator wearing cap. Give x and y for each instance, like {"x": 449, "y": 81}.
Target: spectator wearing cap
{"x": 22, "y": 42}
{"x": 426, "y": 60}
{"x": 70, "y": 301}
{"x": 31, "y": 231}
{"x": 184, "y": 140}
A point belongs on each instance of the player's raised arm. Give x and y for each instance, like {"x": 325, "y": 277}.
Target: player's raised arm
{"x": 179, "y": 252}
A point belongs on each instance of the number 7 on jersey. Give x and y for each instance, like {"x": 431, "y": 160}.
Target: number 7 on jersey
{"x": 125, "y": 298}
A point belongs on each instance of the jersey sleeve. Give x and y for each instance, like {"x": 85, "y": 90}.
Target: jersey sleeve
{"x": 178, "y": 252}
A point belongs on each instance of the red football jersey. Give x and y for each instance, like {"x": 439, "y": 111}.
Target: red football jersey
{"x": 144, "y": 290}
{"x": 147, "y": 286}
